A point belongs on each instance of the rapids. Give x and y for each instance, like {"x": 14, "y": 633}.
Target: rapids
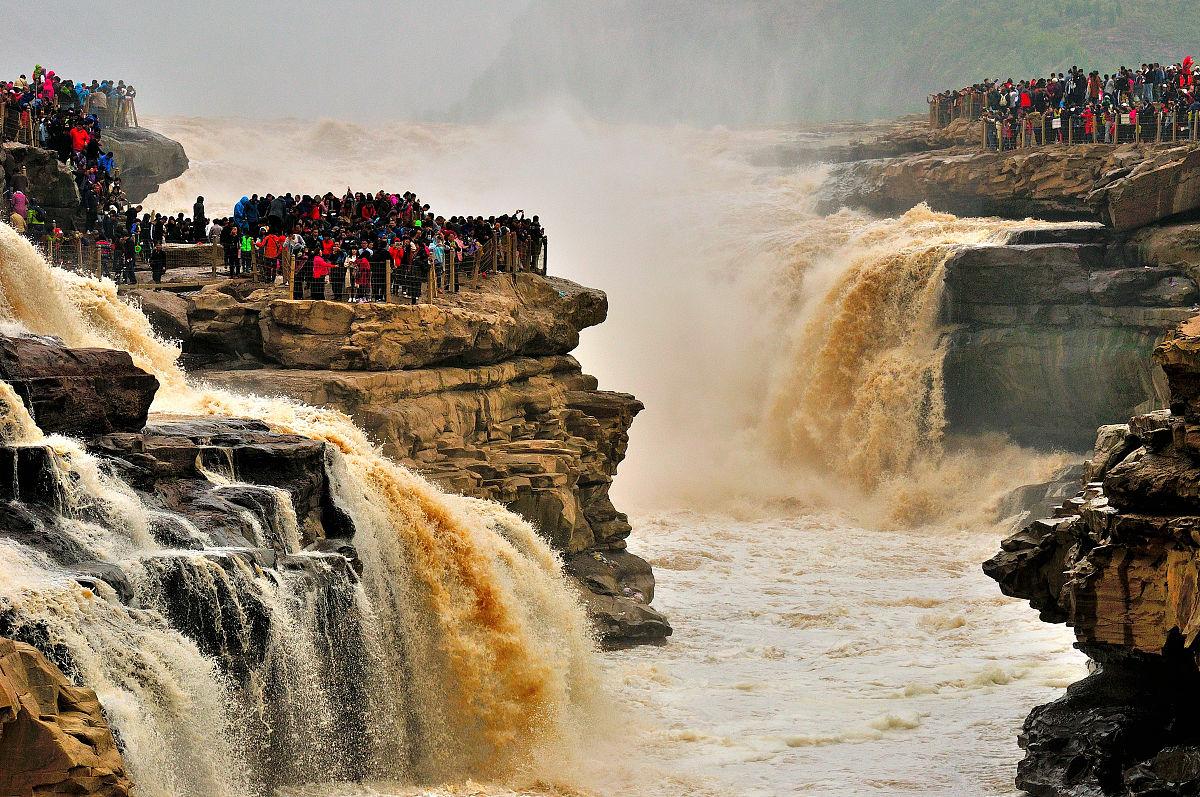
{"x": 815, "y": 532}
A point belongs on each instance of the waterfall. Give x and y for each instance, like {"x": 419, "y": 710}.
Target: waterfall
{"x": 462, "y": 652}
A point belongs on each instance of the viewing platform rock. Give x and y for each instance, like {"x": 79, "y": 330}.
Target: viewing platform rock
{"x": 477, "y": 392}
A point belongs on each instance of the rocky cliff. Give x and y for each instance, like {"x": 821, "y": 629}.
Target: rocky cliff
{"x": 146, "y": 160}
{"x": 1120, "y": 563}
{"x": 54, "y": 737}
{"x": 1125, "y": 187}
{"x": 478, "y": 393}
{"x": 1051, "y": 333}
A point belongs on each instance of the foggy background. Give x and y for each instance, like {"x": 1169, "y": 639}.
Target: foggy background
{"x": 703, "y": 62}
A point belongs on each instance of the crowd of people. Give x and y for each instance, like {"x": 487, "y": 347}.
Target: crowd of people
{"x": 29, "y": 100}
{"x": 1077, "y": 105}
{"x": 341, "y": 247}
{"x": 68, "y": 119}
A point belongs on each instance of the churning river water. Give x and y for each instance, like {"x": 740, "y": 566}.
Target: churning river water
{"x": 816, "y": 538}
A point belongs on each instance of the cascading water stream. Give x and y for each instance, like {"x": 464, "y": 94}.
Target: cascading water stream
{"x": 472, "y": 656}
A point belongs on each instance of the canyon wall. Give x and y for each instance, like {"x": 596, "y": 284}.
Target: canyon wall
{"x": 478, "y": 393}
{"x": 1119, "y": 563}
{"x": 1049, "y": 332}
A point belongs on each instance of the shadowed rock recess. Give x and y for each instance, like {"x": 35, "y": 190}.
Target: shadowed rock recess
{"x": 478, "y": 393}
{"x": 1120, "y": 563}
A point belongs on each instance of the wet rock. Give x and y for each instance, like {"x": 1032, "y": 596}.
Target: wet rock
{"x": 1166, "y": 183}
{"x": 168, "y": 313}
{"x": 1120, "y": 564}
{"x": 78, "y": 392}
{"x": 54, "y": 737}
{"x": 1113, "y": 720}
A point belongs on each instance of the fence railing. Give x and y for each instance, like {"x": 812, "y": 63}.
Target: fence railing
{"x": 20, "y": 125}
{"x": 943, "y": 111}
{"x": 1037, "y": 130}
{"x": 385, "y": 282}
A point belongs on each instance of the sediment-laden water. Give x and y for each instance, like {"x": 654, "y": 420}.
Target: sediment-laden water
{"x": 815, "y": 534}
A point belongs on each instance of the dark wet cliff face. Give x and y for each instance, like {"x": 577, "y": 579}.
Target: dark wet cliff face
{"x": 1120, "y": 564}
{"x": 1052, "y": 334}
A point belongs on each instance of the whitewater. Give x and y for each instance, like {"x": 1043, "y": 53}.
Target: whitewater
{"x": 815, "y": 534}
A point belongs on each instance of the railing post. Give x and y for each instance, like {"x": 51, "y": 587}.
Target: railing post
{"x": 78, "y": 253}
{"x": 431, "y": 282}
{"x": 453, "y": 269}
{"x": 387, "y": 280}
{"x": 99, "y": 266}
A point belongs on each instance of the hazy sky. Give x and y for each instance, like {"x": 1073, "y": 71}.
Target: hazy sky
{"x": 388, "y": 59}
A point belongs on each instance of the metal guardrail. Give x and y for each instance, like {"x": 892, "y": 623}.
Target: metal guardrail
{"x": 428, "y": 283}
{"x": 1037, "y": 130}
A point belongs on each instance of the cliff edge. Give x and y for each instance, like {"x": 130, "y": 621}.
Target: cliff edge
{"x": 1120, "y": 563}
{"x": 478, "y": 393}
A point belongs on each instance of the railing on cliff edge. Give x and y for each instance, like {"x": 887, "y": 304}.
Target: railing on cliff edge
{"x": 503, "y": 255}
{"x": 945, "y": 110}
{"x": 91, "y": 257}
{"x": 1042, "y": 129}
{"x": 18, "y": 125}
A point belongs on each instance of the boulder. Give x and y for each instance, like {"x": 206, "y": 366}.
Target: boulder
{"x": 1166, "y": 183}
{"x": 147, "y": 159}
{"x": 54, "y": 737}
{"x": 168, "y": 313}
{"x": 78, "y": 392}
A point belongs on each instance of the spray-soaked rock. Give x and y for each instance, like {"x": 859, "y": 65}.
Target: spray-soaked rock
{"x": 77, "y": 392}
{"x": 54, "y": 737}
{"x": 1120, "y": 564}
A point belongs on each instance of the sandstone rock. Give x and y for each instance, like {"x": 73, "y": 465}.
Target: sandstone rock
{"x": 527, "y": 316}
{"x": 54, "y": 738}
{"x": 1046, "y": 183}
{"x": 1120, "y": 564}
{"x": 1164, "y": 184}
{"x": 168, "y": 313}
{"x": 147, "y": 159}
{"x": 77, "y": 391}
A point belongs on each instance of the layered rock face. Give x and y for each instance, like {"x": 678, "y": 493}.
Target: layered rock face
{"x": 1126, "y": 186}
{"x": 478, "y": 393}
{"x": 1051, "y": 334}
{"x": 235, "y": 510}
{"x": 54, "y": 738}
{"x": 1120, "y": 564}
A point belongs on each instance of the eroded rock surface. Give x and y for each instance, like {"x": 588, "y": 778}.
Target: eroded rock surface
{"x": 1126, "y": 187}
{"x": 1120, "y": 564}
{"x": 147, "y": 159}
{"x": 54, "y": 737}
{"x": 1053, "y": 333}
{"x": 477, "y": 393}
